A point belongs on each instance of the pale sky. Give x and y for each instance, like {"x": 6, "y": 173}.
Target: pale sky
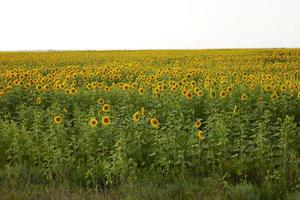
{"x": 148, "y": 24}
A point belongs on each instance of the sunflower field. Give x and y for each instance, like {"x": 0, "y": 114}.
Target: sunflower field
{"x": 100, "y": 118}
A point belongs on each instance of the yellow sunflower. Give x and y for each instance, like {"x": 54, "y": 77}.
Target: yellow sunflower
{"x": 101, "y": 101}
{"x": 200, "y": 135}
{"x": 105, "y": 107}
{"x": 244, "y": 97}
{"x": 73, "y": 91}
{"x": 38, "y": 100}
{"x": 212, "y": 94}
{"x": 222, "y": 94}
{"x": 141, "y": 91}
{"x": 274, "y": 97}
{"x": 57, "y": 119}
{"x": 229, "y": 89}
{"x": 39, "y": 87}
{"x": 200, "y": 93}
{"x": 93, "y": 122}
{"x": 198, "y": 123}
{"x": 143, "y": 112}
{"x": 189, "y": 95}
{"x": 105, "y": 120}
{"x": 136, "y": 117}
{"x": 154, "y": 122}
{"x": 1, "y": 93}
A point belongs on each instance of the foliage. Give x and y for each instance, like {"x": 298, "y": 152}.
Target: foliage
{"x": 98, "y": 119}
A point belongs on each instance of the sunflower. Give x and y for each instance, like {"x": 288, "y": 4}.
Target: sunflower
{"x": 189, "y": 95}
{"x": 212, "y": 94}
{"x": 105, "y": 120}
{"x": 126, "y": 86}
{"x": 283, "y": 87}
{"x": 67, "y": 91}
{"x": 58, "y": 87}
{"x": 73, "y": 91}
{"x": 105, "y": 107}
{"x": 38, "y": 100}
{"x": 268, "y": 88}
{"x": 107, "y": 89}
{"x": 154, "y": 122}
{"x": 39, "y": 87}
{"x": 46, "y": 87}
{"x": 193, "y": 82}
{"x": 93, "y": 122}
{"x": 244, "y": 97}
{"x": 143, "y": 112}
{"x": 89, "y": 86}
{"x": 198, "y": 123}
{"x": 200, "y": 93}
{"x": 141, "y": 91}
{"x": 136, "y": 117}
{"x": 101, "y": 101}
{"x": 222, "y": 94}
{"x": 173, "y": 89}
{"x": 57, "y": 119}
{"x": 274, "y": 97}
{"x": 196, "y": 89}
{"x": 200, "y": 135}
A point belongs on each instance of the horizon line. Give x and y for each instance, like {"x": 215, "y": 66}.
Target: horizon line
{"x": 154, "y": 49}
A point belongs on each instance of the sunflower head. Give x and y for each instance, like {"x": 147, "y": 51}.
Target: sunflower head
{"x": 136, "y": 117}
{"x": 198, "y": 123}
{"x": 154, "y": 122}
{"x": 141, "y": 91}
{"x": 39, "y": 87}
{"x": 1, "y": 93}
{"x": 105, "y": 107}
{"x": 58, "y": 119}
{"x": 274, "y": 97}
{"x": 73, "y": 91}
{"x": 212, "y": 94}
{"x": 126, "y": 86}
{"x": 38, "y": 100}
{"x": 93, "y": 122}
{"x": 200, "y": 135}
{"x": 67, "y": 91}
{"x": 268, "y": 88}
{"x": 143, "y": 112}
{"x": 222, "y": 94}
{"x": 244, "y": 97}
{"x": 189, "y": 95}
{"x": 229, "y": 89}
{"x": 101, "y": 101}
{"x": 283, "y": 88}
{"x": 105, "y": 120}
{"x": 200, "y": 93}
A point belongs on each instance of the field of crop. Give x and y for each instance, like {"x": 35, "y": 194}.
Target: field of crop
{"x": 99, "y": 119}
